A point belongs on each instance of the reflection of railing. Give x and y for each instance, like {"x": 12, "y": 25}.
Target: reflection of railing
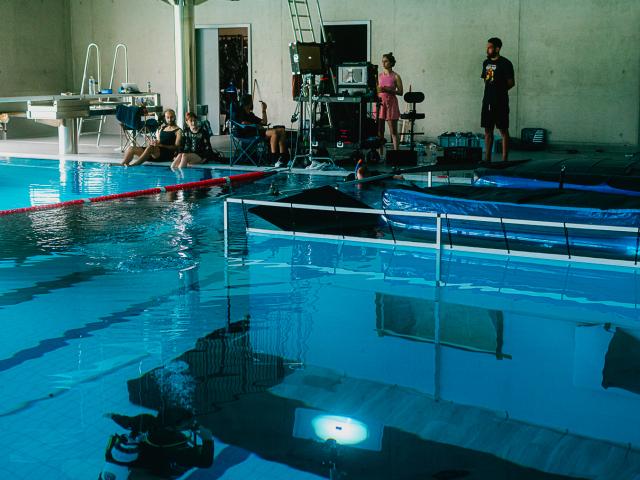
{"x": 438, "y": 231}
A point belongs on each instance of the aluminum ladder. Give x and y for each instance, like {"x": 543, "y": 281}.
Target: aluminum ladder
{"x": 302, "y": 23}
{"x": 303, "y": 32}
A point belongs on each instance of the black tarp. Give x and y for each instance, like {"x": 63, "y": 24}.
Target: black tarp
{"x": 318, "y": 221}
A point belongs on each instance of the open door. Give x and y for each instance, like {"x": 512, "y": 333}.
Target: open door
{"x": 351, "y": 43}
{"x": 223, "y": 60}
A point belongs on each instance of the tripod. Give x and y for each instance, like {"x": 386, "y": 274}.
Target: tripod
{"x": 309, "y": 99}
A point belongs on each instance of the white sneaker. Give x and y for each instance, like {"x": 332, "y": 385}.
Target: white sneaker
{"x": 279, "y": 164}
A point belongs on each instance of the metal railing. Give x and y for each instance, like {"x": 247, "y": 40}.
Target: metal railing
{"x": 438, "y": 244}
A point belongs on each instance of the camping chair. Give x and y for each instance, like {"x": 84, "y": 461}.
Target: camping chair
{"x": 206, "y": 126}
{"x": 246, "y": 144}
{"x": 216, "y": 156}
{"x": 134, "y": 123}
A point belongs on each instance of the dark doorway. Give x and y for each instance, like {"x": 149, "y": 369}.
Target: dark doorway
{"x": 351, "y": 41}
{"x": 350, "y": 44}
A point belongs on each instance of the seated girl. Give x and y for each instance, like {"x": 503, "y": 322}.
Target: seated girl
{"x": 196, "y": 146}
{"x": 162, "y": 149}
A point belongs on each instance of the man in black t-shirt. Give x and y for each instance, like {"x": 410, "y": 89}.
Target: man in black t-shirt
{"x": 276, "y": 136}
{"x": 499, "y": 78}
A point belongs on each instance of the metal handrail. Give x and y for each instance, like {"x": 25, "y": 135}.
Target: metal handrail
{"x": 113, "y": 66}
{"x": 438, "y": 240}
{"x": 374, "y": 211}
{"x": 86, "y": 64}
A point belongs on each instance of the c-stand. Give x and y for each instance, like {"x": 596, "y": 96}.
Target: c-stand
{"x": 307, "y": 105}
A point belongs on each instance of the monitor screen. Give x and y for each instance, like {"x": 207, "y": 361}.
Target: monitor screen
{"x": 352, "y": 76}
{"x": 307, "y": 58}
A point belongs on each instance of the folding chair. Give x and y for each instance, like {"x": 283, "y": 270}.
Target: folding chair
{"x": 247, "y": 144}
{"x": 134, "y": 123}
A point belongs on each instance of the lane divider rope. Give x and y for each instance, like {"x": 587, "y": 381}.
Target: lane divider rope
{"x": 212, "y": 182}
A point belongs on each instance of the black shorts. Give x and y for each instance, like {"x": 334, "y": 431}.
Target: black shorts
{"x": 495, "y": 116}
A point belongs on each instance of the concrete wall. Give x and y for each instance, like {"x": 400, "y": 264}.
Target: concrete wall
{"x": 145, "y": 26}
{"x": 34, "y": 54}
{"x": 577, "y": 61}
{"x": 579, "y": 69}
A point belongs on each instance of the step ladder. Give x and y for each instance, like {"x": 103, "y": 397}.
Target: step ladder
{"x": 304, "y": 32}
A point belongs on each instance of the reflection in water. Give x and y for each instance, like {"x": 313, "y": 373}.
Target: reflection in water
{"x": 232, "y": 397}
{"x": 527, "y": 312}
{"x": 622, "y": 362}
{"x": 561, "y": 398}
{"x": 460, "y": 326}
{"x": 166, "y": 445}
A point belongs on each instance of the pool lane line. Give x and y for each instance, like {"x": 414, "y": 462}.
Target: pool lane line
{"x": 56, "y": 391}
{"x": 212, "y": 182}
{"x": 26, "y": 294}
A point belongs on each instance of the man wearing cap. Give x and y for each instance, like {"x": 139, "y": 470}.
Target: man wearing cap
{"x": 499, "y": 78}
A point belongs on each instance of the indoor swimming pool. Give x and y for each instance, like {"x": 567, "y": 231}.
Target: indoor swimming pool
{"x": 26, "y": 182}
{"x": 418, "y": 365}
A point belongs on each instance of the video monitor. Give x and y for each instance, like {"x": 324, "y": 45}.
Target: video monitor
{"x": 352, "y": 76}
{"x": 306, "y": 58}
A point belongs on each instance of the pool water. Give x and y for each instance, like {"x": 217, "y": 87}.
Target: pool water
{"x": 499, "y": 368}
{"x": 26, "y": 182}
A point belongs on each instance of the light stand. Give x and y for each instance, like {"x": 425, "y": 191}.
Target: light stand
{"x": 308, "y": 94}
{"x": 334, "y": 473}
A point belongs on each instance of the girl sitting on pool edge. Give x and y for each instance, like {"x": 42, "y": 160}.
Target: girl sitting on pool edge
{"x": 196, "y": 145}
{"x": 163, "y": 149}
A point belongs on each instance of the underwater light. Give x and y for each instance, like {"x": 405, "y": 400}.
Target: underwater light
{"x": 345, "y": 431}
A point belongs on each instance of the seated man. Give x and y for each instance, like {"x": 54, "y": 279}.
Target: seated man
{"x": 163, "y": 149}
{"x": 275, "y": 136}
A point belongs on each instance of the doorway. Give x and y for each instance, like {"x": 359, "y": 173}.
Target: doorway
{"x": 352, "y": 40}
{"x": 223, "y": 63}
{"x": 351, "y": 43}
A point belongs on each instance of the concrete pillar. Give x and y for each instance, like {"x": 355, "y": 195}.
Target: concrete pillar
{"x": 185, "y": 45}
{"x": 68, "y": 136}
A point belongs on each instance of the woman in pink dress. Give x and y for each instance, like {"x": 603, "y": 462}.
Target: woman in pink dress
{"x": 389, "y": 86}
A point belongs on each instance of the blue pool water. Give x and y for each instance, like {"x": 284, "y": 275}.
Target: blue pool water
{"x": 26, "y": 182}
{"x": 502, "y": 369}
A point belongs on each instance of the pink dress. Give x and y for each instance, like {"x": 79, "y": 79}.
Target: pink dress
{"x": 389, "y": 109}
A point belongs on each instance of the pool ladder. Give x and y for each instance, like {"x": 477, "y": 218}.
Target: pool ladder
{"x": 93, "y": 46}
